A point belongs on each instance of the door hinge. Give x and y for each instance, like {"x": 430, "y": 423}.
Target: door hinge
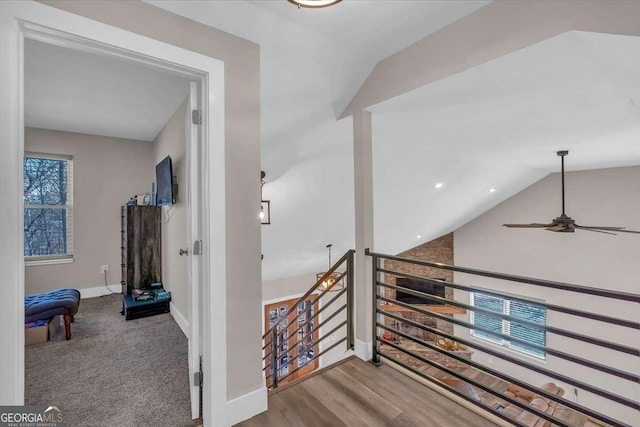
{"x": 199, "y": 376}
{"x": 196, "y": 117}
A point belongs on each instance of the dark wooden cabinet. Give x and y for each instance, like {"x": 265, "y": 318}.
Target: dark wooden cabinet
{"x": 141, "y": 247}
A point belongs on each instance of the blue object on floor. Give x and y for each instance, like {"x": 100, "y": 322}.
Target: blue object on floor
{"x": 53, "y": 303}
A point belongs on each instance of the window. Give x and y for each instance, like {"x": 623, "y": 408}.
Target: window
{"x": 518, "y": 309}
{"x": 48, "y": 207}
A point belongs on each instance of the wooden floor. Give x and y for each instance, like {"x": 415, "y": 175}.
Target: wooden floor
{"x": 356, "y": 393}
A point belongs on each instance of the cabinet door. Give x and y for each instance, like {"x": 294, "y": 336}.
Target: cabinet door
{"x": 296, "y": 341}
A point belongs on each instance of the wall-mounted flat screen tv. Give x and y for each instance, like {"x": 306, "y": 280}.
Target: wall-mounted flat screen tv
{"x": 420, "y": 286}
{"x": 164, "y": 180}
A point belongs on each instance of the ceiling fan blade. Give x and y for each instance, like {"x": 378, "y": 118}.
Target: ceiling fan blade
{"x": 617, "y": 230}
{"x": 556, "y": 228}
{"x": 534, "y": 225}
{"x": 602, "y": 228}
{"x": 598, "y": 231}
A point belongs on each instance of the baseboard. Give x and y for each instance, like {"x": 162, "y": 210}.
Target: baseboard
{"x": 246, "y": 406}
{"x": 363, "y": 350}
{"x": 98, "y": 291}
{"x": 180, "y": 319}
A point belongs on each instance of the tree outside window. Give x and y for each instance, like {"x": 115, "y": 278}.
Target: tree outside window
{"x": 48, "y": 207}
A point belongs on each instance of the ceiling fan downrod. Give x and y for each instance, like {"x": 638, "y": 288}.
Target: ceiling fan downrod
{"x": 562, "y": 154}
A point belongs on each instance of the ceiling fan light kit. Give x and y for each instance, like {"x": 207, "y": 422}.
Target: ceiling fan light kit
{"x": 566, "y": 224}
{"x": 314, "y": 4}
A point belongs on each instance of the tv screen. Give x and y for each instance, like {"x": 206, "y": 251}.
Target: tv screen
{"x": 164, "y": 180}
{"x": 420, "y": 286}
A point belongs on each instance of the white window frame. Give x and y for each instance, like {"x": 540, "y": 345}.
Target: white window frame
{"x": 506, "y": 325}
{"x": 36, "y": 260}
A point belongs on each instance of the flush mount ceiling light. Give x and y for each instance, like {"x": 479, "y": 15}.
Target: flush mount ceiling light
{"x": 313, "y": 4}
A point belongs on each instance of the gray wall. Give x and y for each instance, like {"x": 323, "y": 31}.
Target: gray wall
{"x": 106, "y": 172}
{"x": 598, "y": 197}
{"x": 242, "y": 131}
{"x": 171, "y": 142}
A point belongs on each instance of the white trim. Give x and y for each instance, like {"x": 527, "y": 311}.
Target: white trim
{"x": 180, "y": 319}
{"x": 194, "y": 232}
{"x": 43, "y": 22}
{"x": 49, "y": 261}
{"x": 100, "y": 291}
{"x": 246, "y": 406}
{"x": 363, "y": 349}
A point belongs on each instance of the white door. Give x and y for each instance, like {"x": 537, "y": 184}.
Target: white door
{"x": 192, "y": 138}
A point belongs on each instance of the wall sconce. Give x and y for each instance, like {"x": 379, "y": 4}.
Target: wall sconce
{"x": 265, "y": 205}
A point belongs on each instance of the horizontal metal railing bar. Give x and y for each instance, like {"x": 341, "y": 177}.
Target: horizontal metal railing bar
{"x": 451, "y": 390}
{"x": 334, "y": 345}
{"x": 558, "y": 331}
{"x": 314, "y": 344}
{"x": 479, "y": 385}
{"x": 312, "y": 302}
{"x": 575, "y": 359}
{"x": 503, "y": 376}
{"x": 294, "y": 346}
{"x": 625, "y": 296}
{"x": 325, "y": 306}
{"x": 584, "y": 386}
{"x": 561, "y": 309}
{"x": 290, "y": 347}
{"x": 342, "y": 260}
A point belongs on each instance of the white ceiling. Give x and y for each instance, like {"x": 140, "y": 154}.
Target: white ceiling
{"x": 497, "y": 125}
{"x": 312, "y": 63}
{"x": 75, "y": 91}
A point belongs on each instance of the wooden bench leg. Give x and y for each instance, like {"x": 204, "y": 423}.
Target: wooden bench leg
{"x": 67, "y": 326}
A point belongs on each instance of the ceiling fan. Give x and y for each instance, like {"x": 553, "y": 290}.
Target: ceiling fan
{"x": 566, "y": 224}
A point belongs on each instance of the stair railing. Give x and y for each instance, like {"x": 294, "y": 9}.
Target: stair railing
{"x": 388, "y": 340}
{"x": 277, "y": 345}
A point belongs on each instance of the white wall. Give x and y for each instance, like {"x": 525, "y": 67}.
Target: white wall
{"x": 605, "y": 197}
{"x": 171, "y": 142}
{"x": 106, "y": 173}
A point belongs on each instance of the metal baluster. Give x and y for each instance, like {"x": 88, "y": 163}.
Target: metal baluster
{"x": 274, "y": 357}
{"x": 375, "y": 357}
{"x": 350, "y": 284}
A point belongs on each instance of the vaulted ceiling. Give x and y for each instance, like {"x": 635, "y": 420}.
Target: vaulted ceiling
{"x": 492, "y": 126}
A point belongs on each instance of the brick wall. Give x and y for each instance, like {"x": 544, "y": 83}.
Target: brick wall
{"x": 438, "y": 250}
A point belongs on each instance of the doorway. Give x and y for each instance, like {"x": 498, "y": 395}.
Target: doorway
{"x": 296, "y": 338}
{"x": 81, "y": 33}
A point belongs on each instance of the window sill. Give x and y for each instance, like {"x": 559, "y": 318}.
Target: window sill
{"x": 53, "y": 261}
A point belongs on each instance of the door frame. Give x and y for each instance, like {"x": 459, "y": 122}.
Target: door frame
{"x": 20, "y": 20}
{"x": 290, "y": 301}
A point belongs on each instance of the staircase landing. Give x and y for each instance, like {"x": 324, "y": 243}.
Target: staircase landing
{"x": 356, "y": 393}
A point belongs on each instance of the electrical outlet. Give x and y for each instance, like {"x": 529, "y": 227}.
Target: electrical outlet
{"x": 104, "y": 268}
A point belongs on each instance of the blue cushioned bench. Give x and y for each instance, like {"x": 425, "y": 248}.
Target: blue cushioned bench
{"x": 44, "y": 306}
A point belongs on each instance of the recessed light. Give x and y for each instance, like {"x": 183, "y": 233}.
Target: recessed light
{"x": 439, "y": 185}
{"x": 418, "y": 236}
{"x": 492, "y": 190}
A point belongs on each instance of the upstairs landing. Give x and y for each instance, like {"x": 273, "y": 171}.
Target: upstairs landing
{"x": 356, "y": 393}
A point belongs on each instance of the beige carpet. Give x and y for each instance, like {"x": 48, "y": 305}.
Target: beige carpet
{"x": 112, "y": 372}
